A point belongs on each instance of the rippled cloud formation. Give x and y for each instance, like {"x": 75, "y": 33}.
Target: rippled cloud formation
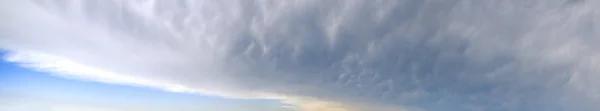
{"x": 333, "y": 55}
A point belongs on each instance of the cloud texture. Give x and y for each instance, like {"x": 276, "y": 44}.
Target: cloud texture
{"x": 353, "y": 55}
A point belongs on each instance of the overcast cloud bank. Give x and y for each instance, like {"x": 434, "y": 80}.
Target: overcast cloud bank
{"x": 360, "y": 55}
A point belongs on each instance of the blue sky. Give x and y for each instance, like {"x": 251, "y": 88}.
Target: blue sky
{"x": 22, "y": 84}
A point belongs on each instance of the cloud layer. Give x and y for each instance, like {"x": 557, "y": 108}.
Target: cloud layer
{"x": 431, "y": 55}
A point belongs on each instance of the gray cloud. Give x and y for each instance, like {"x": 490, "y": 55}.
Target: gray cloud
{"x": 430, "y": 54}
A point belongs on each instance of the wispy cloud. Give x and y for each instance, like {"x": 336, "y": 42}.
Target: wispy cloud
{"x": 399, "y": 55}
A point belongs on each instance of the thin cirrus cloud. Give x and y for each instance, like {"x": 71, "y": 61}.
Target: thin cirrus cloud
{"x": 414, "y": 55}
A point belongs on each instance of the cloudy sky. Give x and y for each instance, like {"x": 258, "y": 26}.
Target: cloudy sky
{"x": 22, "y": 89}
{"x": 302, "y": 55}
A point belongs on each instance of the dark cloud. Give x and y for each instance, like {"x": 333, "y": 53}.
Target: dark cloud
{"x": 430, "y": 54}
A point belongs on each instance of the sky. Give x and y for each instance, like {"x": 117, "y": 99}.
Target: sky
{"x": 303, "y": 55}
{"x": 29, "y": 90}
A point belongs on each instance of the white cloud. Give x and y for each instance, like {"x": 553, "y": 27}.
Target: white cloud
{"x": 426, "y": 55}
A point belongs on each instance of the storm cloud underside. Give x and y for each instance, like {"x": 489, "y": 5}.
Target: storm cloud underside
{"x": 432, "y": 55}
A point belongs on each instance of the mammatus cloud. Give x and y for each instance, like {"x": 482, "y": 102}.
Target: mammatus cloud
{"x": 432, "y": 55}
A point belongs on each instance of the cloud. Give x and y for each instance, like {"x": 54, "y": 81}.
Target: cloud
{"x": 406, "y": 55}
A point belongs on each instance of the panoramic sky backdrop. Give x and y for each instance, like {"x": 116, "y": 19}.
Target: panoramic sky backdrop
{"x": 300, "y": 55}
